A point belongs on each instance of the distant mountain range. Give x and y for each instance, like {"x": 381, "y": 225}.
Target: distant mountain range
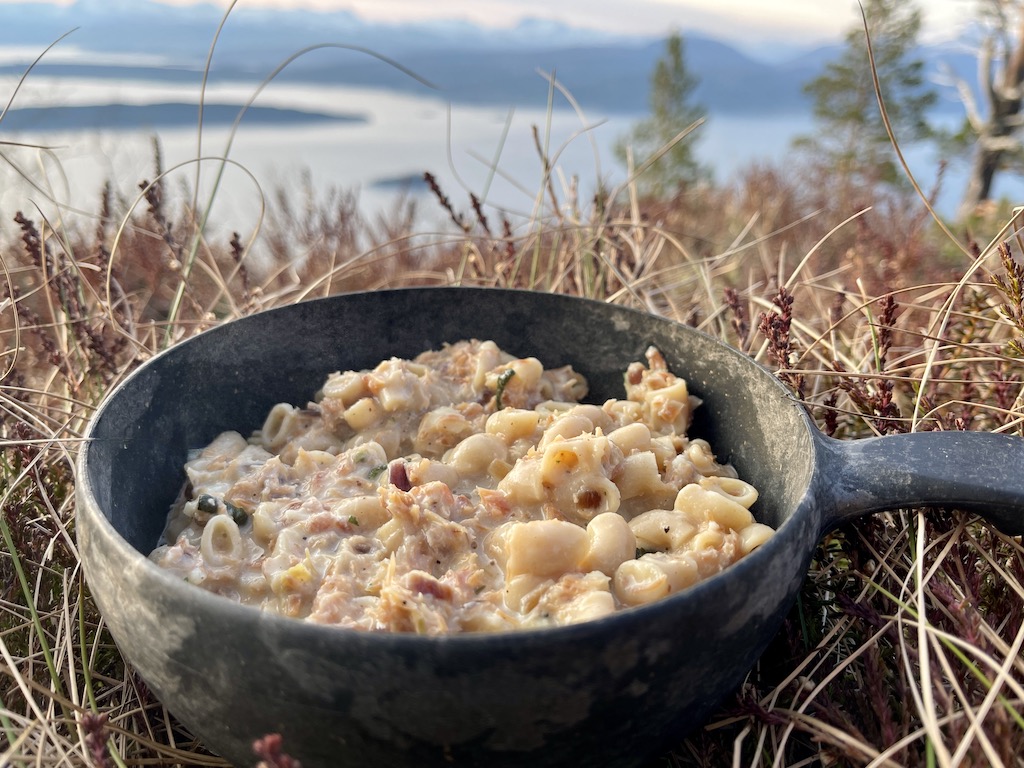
{"x": 467, "y": 63}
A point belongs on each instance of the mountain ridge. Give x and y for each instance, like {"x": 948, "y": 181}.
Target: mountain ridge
{"x": 468, "y": 63}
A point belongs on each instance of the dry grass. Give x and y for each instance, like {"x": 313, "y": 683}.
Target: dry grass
{"x": 904, "y": 646}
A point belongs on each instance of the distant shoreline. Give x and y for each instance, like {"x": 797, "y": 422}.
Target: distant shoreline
{"x": 408, "y": 182}
{"x": 115, "y": 116}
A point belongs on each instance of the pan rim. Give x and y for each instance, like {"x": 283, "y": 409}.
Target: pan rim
{"x": 97, "y": 520}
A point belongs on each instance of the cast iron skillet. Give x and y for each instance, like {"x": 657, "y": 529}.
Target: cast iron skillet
{"x": 615, "y": 690}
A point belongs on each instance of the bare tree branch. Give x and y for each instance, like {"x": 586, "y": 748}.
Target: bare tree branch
{"x": 1001, "y": 86}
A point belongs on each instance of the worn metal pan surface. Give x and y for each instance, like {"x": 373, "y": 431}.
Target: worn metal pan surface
{"x": 621, "y": 688}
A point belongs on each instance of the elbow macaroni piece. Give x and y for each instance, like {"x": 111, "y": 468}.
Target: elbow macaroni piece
{"x": 221, "y": 543}
{"x": 662, "y": 530}
{"x": 638, "y": 582}
{"x": 698, "y": 504}
{"x": 279, "y": 426}
{"x": 473, "y": 456}
{"x": 545, "y": 548}
{"x": 639, "y": 476}
{"x": 610, "y": 543}
{"x": 465, "y": 490}
{"x": 513, "y": 424}
{"x": 732, "y": 488}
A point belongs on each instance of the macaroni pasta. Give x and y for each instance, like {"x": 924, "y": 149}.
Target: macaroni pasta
{"x": 465, "y": 490}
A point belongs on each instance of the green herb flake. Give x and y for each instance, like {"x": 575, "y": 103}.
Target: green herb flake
{"x": 353, "y": 520}
{"x": 207, "y": 504}
{"x": 237, "y": 513}
{"x": 377, "y": 471}
{"x": 503, "y": 380}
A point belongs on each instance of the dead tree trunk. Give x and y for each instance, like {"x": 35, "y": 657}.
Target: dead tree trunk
{"x": 997, "y": 131}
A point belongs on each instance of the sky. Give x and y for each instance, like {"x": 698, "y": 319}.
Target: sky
{"x": 791, "y": 19}
{"x": 792, "y": 22}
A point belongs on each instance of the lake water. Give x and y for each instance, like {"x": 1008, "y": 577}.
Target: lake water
{"x": 489, "y": 151}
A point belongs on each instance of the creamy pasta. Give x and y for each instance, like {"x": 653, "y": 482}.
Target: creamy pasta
{"x": 465, "y": 490}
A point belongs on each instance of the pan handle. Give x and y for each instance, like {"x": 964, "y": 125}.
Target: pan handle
{"x": 979, "y": 472}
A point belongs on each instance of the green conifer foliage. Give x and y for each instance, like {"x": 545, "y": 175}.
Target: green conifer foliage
{"x": 852, "y": 135}
{"x": 672, "y": 112}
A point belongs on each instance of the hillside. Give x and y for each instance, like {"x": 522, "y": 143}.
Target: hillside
{"x": 605, "y": 73}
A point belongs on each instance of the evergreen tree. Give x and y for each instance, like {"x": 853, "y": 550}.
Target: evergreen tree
{"x": 672, "y": 88}
{"x": 852, "y": 136}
